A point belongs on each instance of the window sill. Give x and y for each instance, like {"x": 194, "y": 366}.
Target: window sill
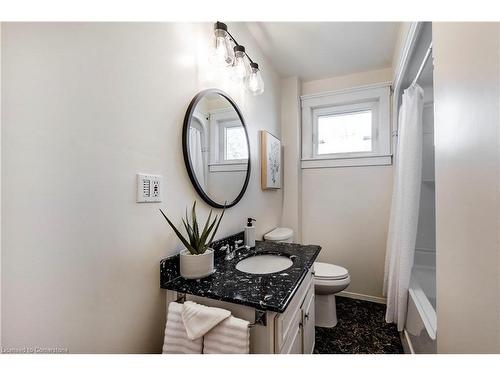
{"x": 366, "y": 161}
{"x": 228, "y": 167}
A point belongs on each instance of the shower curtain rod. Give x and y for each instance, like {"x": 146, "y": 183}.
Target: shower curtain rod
{"x": 422, "y": 65}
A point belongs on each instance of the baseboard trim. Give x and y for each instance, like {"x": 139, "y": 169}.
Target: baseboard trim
{"x": 363, "y": 297}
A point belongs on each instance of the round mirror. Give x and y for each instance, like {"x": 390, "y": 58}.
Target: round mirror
{"x": 216, "y": 148}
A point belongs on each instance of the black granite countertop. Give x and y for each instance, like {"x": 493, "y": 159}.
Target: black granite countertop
{"x": 271, "y": 292}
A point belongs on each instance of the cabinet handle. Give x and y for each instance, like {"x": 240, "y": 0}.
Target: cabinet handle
{"x": 306, "y": 316}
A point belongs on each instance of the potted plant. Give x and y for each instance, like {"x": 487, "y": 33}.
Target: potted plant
{"x": 197, "y": 259}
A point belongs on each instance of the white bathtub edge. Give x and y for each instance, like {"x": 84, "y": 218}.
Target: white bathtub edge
{"x": 425, "y": 309}
{"x": 406, "y": 342}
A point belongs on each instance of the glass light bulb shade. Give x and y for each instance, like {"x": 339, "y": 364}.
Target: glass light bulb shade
{"x": 255, "y": 83}
{"x": 240, "y": 67}
{"x": 221, "y": 50}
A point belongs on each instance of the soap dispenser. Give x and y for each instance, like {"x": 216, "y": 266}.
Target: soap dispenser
{"x": 250, "y": 233}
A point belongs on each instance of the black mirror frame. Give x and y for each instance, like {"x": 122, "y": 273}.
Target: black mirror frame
{"x": 187, "y": 158}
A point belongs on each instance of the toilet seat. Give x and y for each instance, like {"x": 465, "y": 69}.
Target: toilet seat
{"x": 330, "y": 287}
{"x": 279, "y": 234}
{"x": 326, "y": 271}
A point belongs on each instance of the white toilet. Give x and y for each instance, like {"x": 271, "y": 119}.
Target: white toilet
{"x": 329, "y": 279}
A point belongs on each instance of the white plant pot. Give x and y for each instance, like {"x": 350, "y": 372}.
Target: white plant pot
{"x": 196, "y": 266}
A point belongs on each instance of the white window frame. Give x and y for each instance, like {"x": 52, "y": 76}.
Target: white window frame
{"x": 340, "y": 110}
{"x": 375, "y": 98}
{"x": 219, "y": 119}
{"x": 223, "y": 126}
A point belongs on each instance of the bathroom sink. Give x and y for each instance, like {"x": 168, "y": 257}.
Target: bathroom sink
{"x": 264, "y": 263}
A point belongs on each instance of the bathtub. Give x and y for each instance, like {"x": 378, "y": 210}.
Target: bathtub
{"x": 421, "y": 323}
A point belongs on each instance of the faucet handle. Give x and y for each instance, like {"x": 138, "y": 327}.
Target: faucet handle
{"x": 229, "y": 252}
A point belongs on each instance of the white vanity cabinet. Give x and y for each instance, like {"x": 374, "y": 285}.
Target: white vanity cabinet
{"x": 291, "y": 332}
{"x": 308, "y": 323}
{"x": 294, "y": 331}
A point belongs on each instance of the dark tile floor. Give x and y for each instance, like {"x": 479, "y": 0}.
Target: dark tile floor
{"x": 361, "y": 329}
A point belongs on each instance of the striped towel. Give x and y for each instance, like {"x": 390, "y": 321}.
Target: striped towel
{"x": 199, "y": 319}
{"x": 176, "y": 340}
{"x": 231, "y": 336}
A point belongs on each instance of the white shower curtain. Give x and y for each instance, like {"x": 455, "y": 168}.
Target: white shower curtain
{"x": 196, "y": 154}
{"x": 405, "y": 206}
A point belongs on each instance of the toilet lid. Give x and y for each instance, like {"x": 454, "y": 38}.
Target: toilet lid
{"x": 329, "y": 271}
{"x": 279, "y": 234}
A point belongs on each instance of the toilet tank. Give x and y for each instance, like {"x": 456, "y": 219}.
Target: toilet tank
{"x": 279, "y": 235}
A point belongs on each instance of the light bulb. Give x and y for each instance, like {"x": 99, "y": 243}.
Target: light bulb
{"x": 221, "y": 51}
{"x": 255, "y": 83}
{"x": 240, "y": 66}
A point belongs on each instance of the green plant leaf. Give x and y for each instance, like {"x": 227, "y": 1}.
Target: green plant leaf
{"x": 188, "y": 225}
{"x": 189, "y": 232}
{"x": 217, "y": 227}
{"x": 206, "y": 232}
{"x": 209, "y": 230}
{"x": 207, "y": 222}
{"x": 179, "y": 234}
{"x": 195, "y": 242}
{"x": 196, "y": 230}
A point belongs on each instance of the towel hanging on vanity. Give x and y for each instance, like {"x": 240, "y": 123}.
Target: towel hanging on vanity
{"x": 176, "y": 338}
{"x": 199, "y": 319}
{"x": 231, "y": 336}
{"x": 193, "y": 328}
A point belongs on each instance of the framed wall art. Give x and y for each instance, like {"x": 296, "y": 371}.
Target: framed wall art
{"x": 270, "y": 161}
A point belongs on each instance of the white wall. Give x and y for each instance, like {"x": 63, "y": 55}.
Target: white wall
{"x": 0, "y": 186}
{"x": 425, "y": 254}
{"x": 291, "y": 142}
{"x": 225, "y": 186}
{"x": 404, "y": 28}
{"x": 426, "y": 234}
{"x": 86, "y": 107}
{"x": 346, "y": 210}
{"x": 347, "y": 81}
{"x": 467, "y": 136}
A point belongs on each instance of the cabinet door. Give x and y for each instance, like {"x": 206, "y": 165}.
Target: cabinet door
{"x": 285, "y": 324}
{"x": 308, "y": 322}
{"x": 296, "y": 347}
{"x": 293, "y": 342}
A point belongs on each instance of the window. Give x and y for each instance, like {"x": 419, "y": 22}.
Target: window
{"x": 228, "y": 147}
{"x": 345, "y": 132}
{"x": 235, "y": 143}
{"x": 346, "y": 128}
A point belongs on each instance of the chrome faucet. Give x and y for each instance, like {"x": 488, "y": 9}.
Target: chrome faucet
{"x": 229, "y": 253}
{"x": 236, "y": 247}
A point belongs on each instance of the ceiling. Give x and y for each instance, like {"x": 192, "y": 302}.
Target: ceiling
{"x": 314, "y": 50}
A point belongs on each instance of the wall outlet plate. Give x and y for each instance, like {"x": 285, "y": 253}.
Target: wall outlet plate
{"x": 149, "y": 188}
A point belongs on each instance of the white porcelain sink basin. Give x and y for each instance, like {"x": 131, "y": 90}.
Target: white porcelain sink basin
{"x": 264, "y": 263}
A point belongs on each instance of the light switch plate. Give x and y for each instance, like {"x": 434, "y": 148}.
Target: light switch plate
{"x": 149, "y": 188}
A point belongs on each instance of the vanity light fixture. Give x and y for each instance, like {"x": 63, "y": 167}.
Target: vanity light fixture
{"x": 226, "y": 51}
{"x": 255, "y": 82}
{"x": 222, "y": 51}
{"x": 240, "y": 65}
